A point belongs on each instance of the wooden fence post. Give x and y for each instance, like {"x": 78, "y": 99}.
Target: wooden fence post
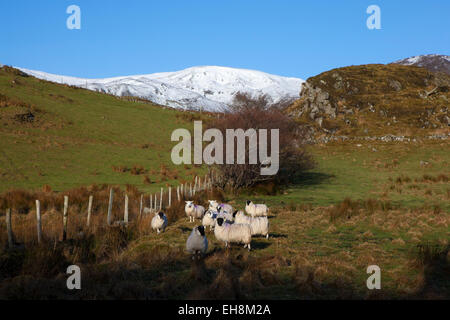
{"x": 151, "y": 202}
{"x": 110, "y": 205}
{"x": 91, "y": 199}
{"x": 38, "y": 221}
{"x": 170, "y": 196}
{"x": 156, "y": 201}
{"x": 125, "y": 213}
{"x": 161, "y": 200}
{"x": 178, "y": 193}
{"x": 195, "y": 185}
{"x": 182, "y": 190}
{"x": 190, "y": 189}
{"x": 9, "y": 229}
{"x": 141, "y": 205}
{"x": 66, "y": 207}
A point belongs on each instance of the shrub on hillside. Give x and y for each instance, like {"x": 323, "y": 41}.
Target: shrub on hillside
{"x": 250, "y": 113}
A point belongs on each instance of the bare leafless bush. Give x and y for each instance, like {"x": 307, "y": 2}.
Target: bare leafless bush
{"x": 256, "y": 113}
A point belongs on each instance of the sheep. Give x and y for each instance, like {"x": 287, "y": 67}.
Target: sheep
{"x": 239, "y": 233}
{"x": 214, "y": 205}
{"x": 228, "y": 216}
{"x": 197, "y": 243}
{"x": 159, "y": 222}
{"x": 259, "y": 225}
{"x": 256, "y": 210}
{"x": 194, "y": 211}
{"x": 209, "y": 219}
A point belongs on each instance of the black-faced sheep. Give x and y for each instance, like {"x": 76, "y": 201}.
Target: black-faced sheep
{"x": 159, "y": 222}
{"x": 256, "y": 210}
{"x": 229, "y": 233}
{"x": 194, "y": 211}
{"x": 197, "y": 243}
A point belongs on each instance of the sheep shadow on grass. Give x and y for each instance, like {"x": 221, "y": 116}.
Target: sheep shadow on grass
{"x": 185, "y": 229}
{"x": 277, "y": 235}
{"x": 260, "y": 245}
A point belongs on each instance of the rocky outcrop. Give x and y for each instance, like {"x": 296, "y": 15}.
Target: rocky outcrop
{"x": 373, "y": 99}
{"x": 316, "y": 103}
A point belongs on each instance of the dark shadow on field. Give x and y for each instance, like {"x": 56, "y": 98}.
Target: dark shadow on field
{"x": 221, "y": 274}
{"x": 436, "y": 271}
{"x": 277, "y": 235}
{"x": 312, "y": 178}
{"x": 166, "y": 272}
{"x": 185, "y": 229}
{"x": 259, "y": 245}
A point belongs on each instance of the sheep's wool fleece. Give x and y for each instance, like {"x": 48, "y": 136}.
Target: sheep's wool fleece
{"x": 196, "y": 242}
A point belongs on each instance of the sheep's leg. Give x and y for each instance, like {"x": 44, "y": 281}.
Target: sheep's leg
{"x": 249, "y": 247}
{"x": 157, "y": 230}
{"x": 267, "y": 236}
{"x": 245, "y": 246}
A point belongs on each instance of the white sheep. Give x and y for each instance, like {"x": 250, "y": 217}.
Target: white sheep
{"x": 197, "y": 243}
{"x": 194, "y": 211}
{"x": 209, "y": 219}
{"x": 256, "y": 210}
{"x": 228, "y": 216}
{"x": 159, "y": 222}
{"x": 228, "y": 233}
{"x": 259, "y": 225}
{"x": 214, "y": 205}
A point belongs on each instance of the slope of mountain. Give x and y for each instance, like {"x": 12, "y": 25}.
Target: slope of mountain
{"x": 431, "y": 62}
{"x": 375, "y": 100}
{"x": 207, "y": 88}
{"x": 62, "y": 136}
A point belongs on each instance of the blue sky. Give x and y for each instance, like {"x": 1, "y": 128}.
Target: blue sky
{"x": 290, "y": 38}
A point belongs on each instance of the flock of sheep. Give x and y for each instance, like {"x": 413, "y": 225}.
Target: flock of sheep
{"x": 230, "y": 226}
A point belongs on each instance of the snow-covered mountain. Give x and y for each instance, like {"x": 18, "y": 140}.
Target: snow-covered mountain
{"x": 207, "y": 88}
{"x": 432, "y": 62}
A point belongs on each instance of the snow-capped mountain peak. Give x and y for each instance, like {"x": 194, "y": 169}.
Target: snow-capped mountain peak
{"x": 210, "y": 88}
{"x": 432, "y": 62}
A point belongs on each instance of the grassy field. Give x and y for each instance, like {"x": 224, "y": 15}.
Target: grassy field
{"x": 77, "y": 136}
{"x": 312, "y": 253}
{"x": 375, "y": 203}
{"x": 387, "y": 171}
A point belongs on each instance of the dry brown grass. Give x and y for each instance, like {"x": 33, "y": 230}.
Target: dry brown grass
{"x": 307, "y": 257}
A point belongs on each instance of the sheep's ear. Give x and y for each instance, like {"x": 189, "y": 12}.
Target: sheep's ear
{"x": 234, "y": 213}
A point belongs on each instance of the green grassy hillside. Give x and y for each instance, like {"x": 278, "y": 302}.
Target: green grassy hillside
{"x": 78, "y": 137}
{"x": 65, "y": 137}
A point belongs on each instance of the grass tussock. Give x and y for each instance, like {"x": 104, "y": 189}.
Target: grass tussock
{"x": 350, "y": 208}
